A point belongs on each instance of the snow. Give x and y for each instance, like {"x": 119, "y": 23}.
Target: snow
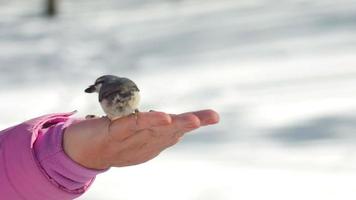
{"x": 282, "y": 74}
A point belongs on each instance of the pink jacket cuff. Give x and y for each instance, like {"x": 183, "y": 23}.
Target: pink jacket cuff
{"x": 59, "y": 168}
{"x": 46, "y": 173}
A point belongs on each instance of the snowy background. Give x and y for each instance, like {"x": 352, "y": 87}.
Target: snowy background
{"x": 281, "y": 73}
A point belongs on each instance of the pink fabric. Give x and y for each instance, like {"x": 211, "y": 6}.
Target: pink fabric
{"x": 33, "y": 165}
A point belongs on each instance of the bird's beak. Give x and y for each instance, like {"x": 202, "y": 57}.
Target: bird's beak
{"x": 90, "y": 89}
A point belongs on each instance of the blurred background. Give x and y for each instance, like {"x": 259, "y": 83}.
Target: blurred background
{"x": 281, "y": 73}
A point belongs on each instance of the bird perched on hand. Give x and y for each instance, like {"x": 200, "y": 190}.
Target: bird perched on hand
{"x": 118, "y": 96}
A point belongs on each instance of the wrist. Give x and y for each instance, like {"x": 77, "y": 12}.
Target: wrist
{"x": 84, "y": 143}
{"x": 55, "y": 163}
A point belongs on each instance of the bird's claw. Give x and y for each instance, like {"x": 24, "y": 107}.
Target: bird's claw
{"x": 135, "y": 114}
{"x": 90, "y": 116}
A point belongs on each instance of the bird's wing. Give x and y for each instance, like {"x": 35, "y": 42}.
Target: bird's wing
{"x": 109, "y": 90}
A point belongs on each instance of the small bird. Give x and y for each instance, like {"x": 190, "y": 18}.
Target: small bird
{"x": 118, "y": 96}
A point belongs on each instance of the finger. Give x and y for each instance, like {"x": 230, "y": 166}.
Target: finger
{"x": 185, "y": 122}
{"x": 150, "y": 119}
{"x": 128, "y": 125}
{"x": 189, "y": 121}
{"x": 181, "y": 124}
{"x": 206, "y": 117}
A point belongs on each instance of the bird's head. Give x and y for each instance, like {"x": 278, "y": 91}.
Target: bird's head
{"x": 99, "y": 82}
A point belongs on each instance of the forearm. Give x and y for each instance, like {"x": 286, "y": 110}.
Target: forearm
{"x": 46, "y": 173}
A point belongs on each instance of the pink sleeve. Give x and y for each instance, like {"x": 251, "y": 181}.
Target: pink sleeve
{"x": 33, "y": 165}
{"x": 64, "y": 172}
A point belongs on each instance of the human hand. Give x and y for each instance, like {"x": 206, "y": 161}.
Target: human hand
{"x": 97, "y": 144}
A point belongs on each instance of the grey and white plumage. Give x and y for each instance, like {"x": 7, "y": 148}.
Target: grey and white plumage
{"x": 118, "y": 96}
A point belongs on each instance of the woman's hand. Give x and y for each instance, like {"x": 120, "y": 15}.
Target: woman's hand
{"x": 98, "y": 144}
